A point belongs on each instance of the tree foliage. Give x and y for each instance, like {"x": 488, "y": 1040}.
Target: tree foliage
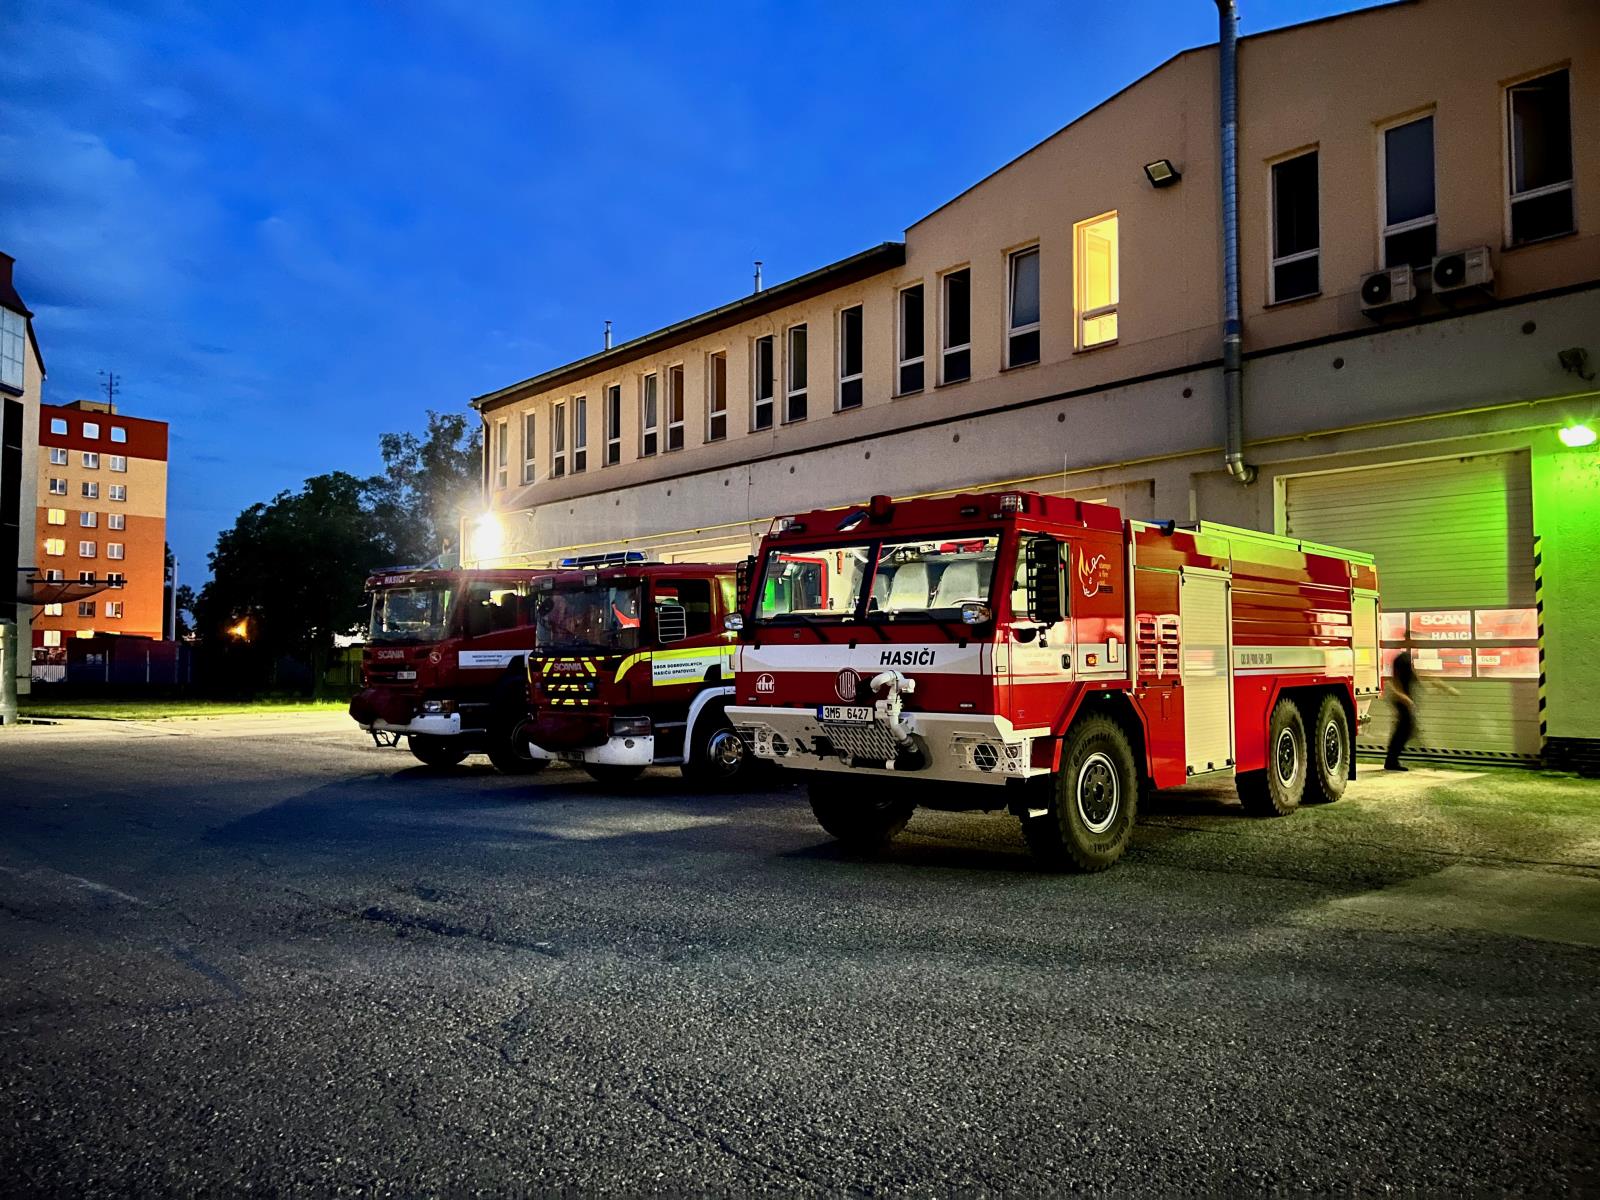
{"x": 429, "y": 483}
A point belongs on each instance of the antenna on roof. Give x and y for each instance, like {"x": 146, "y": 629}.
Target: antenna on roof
{"x": 758, "y": 275}
{"x": 109, "y": 381}
{"x": 608, "y": 335}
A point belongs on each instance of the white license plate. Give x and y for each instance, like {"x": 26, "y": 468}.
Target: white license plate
{"x": 405, "y": 674}
{"x": 846, "y": 714}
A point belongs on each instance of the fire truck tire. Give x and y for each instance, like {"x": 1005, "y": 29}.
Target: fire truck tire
{"x": 611, "y": 773}
{"x": 509, "y": 758}
{"x": 1329, "y": 752}
{"x": 1277, "y": 791}
{"x": 719, "y": 756}
{"x": 861, "y": 820}
{"x": 1093, "y": 803}
{"x": 436, "y": 752}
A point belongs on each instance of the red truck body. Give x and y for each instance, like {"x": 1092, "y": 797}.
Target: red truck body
{"x": 1057, "y": 657}
{"x": 633, "y": 668}
{"x": 444, "y": 665}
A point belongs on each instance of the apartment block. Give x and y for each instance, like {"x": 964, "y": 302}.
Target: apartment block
{"x": 1418, "y": 265}
{"x": 21, "y": 374}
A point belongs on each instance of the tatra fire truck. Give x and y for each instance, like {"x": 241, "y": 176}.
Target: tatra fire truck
{"x": 1046, "y": 657}
{"x": 633, "y": 668}
{"x": 444, "y": 664}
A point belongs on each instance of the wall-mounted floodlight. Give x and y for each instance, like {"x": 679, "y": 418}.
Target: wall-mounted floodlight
{"x": 1162, "y": 173}
{"x": 1575, "y": 436}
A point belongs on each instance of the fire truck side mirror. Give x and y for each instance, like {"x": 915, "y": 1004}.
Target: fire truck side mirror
{"x": 1043, "y": 566}
{"x": 742, "y": 575}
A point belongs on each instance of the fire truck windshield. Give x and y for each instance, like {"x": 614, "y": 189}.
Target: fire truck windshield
{"x": 887, "y": 580}
{"x": 410, "y": 614}
{"x": 599, "y": 617}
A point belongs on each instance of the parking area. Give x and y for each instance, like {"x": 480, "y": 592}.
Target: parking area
{"x": 259, "y": 952}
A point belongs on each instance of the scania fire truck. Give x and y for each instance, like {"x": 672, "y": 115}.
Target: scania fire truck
{"x": 1041, "y": 655}
{"x": 634, "y": 668}
{"x": 444, "y": 664}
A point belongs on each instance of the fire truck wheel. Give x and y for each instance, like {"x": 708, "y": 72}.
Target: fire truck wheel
{"x": 611, "y": 773}
{"x": 1276, "y": 791}
{"x": 436, "y": 751}
{"x": 1094, "y": 800}
{"x": 510, "y": 757}
{"x": 719, "y": 755}
{"x": 861, "y": 820}
{"x": 1329, "y": 753}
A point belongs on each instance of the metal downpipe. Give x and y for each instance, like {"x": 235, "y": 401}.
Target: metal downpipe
{"x": 1232, "y": 325}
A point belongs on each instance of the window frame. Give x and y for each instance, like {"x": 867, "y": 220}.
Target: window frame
{"x": 502, "y": 464}
{"x": 88, "y": 548}
{"x": 1512, "y": 197}
{"x": 91, "y": 429}
{"x": 57, "y": 486}
{"x": 113, "y": 609}
{"x": 86, "y": 608}
{"x": 1273, "y": 261}
{"x": 90, "y": 490}
{"x": 1386, "y": 230}
{"x": 860, "y": 376}
{"x": 55, "y": 516}
{"x": 91, "y": 460}
{"x": 13, "y": 349}
{"x": 613, "y": 425}
{"x": 558, "y": 439}
{"x": 677, "y": 408}
{"x": 116, "y": 520}
{"x": 580, "y": 434}
{"x": 649, "y": 425}
{"x": 55, "y": 547}
{"x": 59, "y": 456}
{"x": 945, "y": 348}
{"x": 767, "y": 342}
{"x": 1013, "y": 330}
{"x": 117, "y": 551}
{"x": 119, "y": 463}
{"x": 58, "y": 426}
{"x": 118, "y": 492}
{"x": 530, "y": 445}
{"x": 920, "y": 360}
{"x": 88, "y": 519}
{"x": 119, "y": 434}
{"x": 716, "y": 405}
{"x": 790, "y": 358}
{"x": 1082, "y": 313}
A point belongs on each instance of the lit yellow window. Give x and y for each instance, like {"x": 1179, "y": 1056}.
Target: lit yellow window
{"x": 1098, "y": 282}
{"x": 55, "y": 546}
{"x": 52, "y": 610}
{"x": 52, "y": 637}
{"x": 85, "y": 633}
{"x": 56, "y": 516}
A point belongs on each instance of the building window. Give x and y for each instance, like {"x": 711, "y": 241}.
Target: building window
{"x": 580, "y": 433}
{"x": 113, "y": 608}
{"x": 794, "y": 405}
{"x": 116, "y": 550}
{"x": 1022, "y": 342}
{"x": 91, "y": 429}
{"x": 558, "y": 440}
{"x": 1410, "y": 219}
{"x": 502, "y": 454}
{"x": 118, "y": 434}
{"x": 1099, "y": 284}
{"x": 957, "y": 364}
{"x": 52, "y": 610}
{"x": 88, "y": 520}
{"x": 613, "y": 424}
{"x": 530, "y": 446}
{"x": 55, "y": 575}
{"x": 91, "y": 460}
{"x": 13, "y": 333}
{"x": 649, "y": 415}
{"x": 90, "y": 489}
{"x": 850, "y": 358}
{"x": 55, "y": 547}
{"x": 58, "y": 487}
{"x": 716, "y": 397}
{"x": 766, "y": 375}
{"x": 1296, "y": 239}
{"x": 58, "y": 456}
{"x": 86, "y": 550}
{"x": 119, "y": 462}
{"x": 52, "y": 637}
{"x": 86, "y": 608}
{"x": 910, "y": 340}
{"x": 1539, "y": 118}
{"x": 85, "y": 576}
{"x": 116, "y": 579}
{"x": 58, "y": 425}
{"x": 675, "y": 407}
{"x": 55, "y": 516}
{"x": 84, "y": 633}
{"x": 119, "y": 491}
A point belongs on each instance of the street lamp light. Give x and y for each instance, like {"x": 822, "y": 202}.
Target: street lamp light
{"x": 1577, "y": 435}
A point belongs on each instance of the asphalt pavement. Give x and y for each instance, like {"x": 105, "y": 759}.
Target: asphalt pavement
{"x": 259, "y": 953}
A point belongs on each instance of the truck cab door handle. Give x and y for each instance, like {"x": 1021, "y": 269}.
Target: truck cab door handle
{"x": 1066, "y": 662}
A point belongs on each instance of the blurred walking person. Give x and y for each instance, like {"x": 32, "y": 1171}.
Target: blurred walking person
{"x": 1404, "y": 685}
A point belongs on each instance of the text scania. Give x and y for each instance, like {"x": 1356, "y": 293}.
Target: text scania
{"x": 906, "y": 658}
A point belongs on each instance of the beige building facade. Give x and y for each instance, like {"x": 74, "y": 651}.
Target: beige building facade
{"x": 1419, "y": 264}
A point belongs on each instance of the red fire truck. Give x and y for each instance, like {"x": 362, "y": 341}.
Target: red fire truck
{"x": 1029, "y": 653}
{"x": 633, "y": 668}
{"x": 444, "y": 664}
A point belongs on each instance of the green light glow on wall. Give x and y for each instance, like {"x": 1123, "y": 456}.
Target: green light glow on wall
{"x": 1574, "y": 436}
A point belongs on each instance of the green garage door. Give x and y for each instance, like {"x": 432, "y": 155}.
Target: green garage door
{"x": 1454, "y": 544}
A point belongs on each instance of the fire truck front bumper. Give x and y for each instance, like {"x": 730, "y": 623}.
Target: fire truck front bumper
{"x": 952, "y": 747}
{"x": 639, "y": 751}
{"x": 437, "y": 725}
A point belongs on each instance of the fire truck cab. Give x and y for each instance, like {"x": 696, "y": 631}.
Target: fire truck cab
{"x": 635, "y": 669}
{"x": 443, "y": 666}
{"x": 1022, "y": 652}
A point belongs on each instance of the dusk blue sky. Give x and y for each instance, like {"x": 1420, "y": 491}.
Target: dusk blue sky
{"x": 291, "y": 227}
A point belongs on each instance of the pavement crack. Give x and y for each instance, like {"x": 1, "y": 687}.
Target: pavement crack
{"x": 406, "y": 922}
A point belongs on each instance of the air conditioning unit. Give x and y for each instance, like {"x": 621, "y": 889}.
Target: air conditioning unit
{"x": 1463, "y": 270}
{"x": 1383, "y": 290}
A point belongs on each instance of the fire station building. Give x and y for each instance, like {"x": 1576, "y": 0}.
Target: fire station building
{"x": 1417, "y": 223}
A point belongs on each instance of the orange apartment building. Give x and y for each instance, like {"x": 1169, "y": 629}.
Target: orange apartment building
{"x": 102, "y": 517}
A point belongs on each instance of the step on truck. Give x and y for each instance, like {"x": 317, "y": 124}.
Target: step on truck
{"x": 634, "y": 668}
{"x": 1043, "y": 656}
{"x": 444, "y": 664}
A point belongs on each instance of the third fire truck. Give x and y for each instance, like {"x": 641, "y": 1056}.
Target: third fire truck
{"x": 1022, "y": 652}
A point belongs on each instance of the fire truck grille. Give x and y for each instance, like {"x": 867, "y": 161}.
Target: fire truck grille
{"x": 861, "y": 741}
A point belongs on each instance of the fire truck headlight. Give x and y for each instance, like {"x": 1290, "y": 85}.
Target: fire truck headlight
{"x": 488, "y": 537}
{"x": 733, "y": 621}
{"x": 630, "y": 727}
{"x": 975, "y": 614}
{"x": 435, "y": 708}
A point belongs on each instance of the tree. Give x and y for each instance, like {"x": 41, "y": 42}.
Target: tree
{"x": 428, "y": 484}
